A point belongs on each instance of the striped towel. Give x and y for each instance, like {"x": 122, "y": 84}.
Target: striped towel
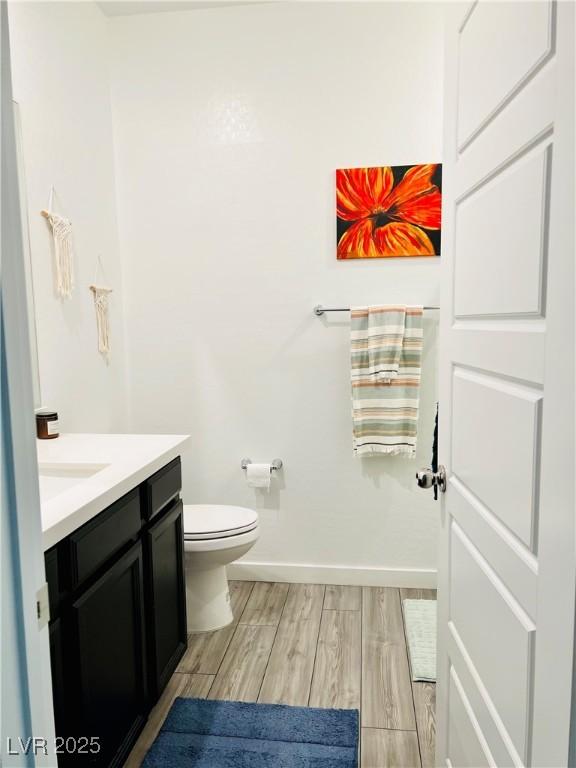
{"x": 386, "y": 353}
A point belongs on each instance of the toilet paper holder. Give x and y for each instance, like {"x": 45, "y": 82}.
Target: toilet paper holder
{"x": 274, "y": 464}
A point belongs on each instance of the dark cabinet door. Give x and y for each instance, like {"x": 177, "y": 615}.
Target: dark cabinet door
{"x": 165, "y": 596}
{"x": 108, "y": 682}
{"x": 57, "y": 667}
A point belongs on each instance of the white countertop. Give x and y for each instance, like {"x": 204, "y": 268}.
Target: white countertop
{"x": 114, "y": 465}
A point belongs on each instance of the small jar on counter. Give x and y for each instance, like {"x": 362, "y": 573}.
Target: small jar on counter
{"x": 47, "y": 427}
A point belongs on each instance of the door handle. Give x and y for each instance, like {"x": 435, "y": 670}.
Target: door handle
{"x": 427, "y": 478}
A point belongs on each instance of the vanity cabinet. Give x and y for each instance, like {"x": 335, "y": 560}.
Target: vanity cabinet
{"x": 118, "y": 619}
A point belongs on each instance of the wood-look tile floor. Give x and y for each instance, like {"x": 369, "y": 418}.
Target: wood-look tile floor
{"x": 318, "y": 646}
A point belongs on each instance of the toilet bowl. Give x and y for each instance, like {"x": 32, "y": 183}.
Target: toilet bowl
{"x": 214, "y": 536}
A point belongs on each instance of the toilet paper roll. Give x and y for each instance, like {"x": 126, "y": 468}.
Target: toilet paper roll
{"x": 258, "y": 475}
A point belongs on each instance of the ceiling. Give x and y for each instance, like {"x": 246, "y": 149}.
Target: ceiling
{"x": 131, "y": 7}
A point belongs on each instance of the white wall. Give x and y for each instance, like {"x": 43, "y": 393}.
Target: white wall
{"x": 229, "y": 124}
{"x": 60, "y": 76}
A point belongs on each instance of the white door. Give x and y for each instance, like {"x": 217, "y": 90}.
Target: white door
{"x": 27, "y": 720}
{"x": 507, "y": 575}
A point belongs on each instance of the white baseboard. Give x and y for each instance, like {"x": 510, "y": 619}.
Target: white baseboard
{"x": 297, "y": 573}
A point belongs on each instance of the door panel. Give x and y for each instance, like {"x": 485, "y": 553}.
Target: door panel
{"x": 495, "y": 60}
{"x": 500, "y": 466}
{"x": 492, "y": 610}
{"x": 489, "y": 725}
{"x": 517, "y": 566}
{"x": 516, "y": 254}
{"x": 518, "y": 128}
{"x": 466, "y": 744}
{"x": 507, "y": 565}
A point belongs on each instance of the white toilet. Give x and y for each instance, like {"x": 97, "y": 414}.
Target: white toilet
{"x": 214, "y": 536}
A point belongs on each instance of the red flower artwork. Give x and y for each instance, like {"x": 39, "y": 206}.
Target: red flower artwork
{"x": 389, "y": 211}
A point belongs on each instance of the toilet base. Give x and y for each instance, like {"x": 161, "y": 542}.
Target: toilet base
{"x": 207, "y": 599}
{"x": 207, "y": 596}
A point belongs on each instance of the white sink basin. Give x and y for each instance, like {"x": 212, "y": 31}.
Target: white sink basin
{"x": 57, "y": 478}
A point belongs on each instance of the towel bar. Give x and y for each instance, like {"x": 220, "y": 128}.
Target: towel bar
{"x": 319, "y": 309}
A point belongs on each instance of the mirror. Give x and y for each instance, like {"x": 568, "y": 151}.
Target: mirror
{"x": 33, "y": 339}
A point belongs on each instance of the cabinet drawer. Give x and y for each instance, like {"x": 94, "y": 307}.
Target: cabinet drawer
{"x": 161, "y": 488}
{"x": 97, "y": 541}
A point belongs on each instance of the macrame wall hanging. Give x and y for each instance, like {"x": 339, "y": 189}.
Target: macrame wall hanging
{"x": 63, "y": 251}
{"x": 101, "y": 296}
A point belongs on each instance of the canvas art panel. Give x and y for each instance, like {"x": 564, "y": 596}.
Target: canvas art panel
{"x": 389, "y": 212}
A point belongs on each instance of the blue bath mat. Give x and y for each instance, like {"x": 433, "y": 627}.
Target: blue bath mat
{"x": 231, "y": 734}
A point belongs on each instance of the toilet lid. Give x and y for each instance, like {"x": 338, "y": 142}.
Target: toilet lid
{"x": 215, "y": 521}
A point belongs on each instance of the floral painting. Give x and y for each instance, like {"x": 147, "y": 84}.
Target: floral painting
{"x": 389, "y": 212}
